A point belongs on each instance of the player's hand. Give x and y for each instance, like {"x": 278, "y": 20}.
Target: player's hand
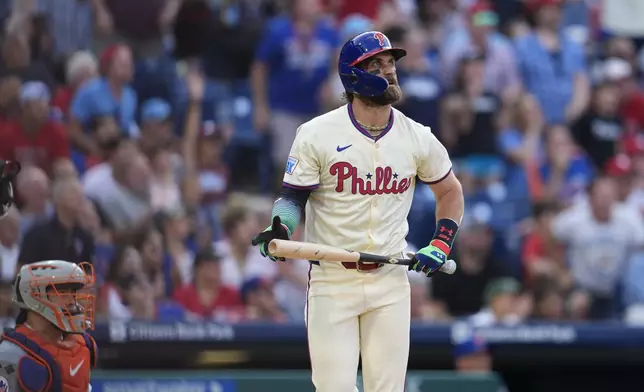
{"x": 277, "y": 231}
{"x": 428, "y": 260}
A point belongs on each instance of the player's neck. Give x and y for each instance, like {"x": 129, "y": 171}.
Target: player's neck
{"x": 371, "y": 116}
{"x": 44, "y": 328}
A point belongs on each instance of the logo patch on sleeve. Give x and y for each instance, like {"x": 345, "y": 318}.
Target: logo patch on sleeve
{"x": 291, "y": 164}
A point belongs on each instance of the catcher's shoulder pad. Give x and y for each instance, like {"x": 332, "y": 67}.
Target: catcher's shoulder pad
{"x": 37, "y": 370}
{"x": 33, "y": 375}
{"x": 16, "y": 371}
{"x": 93, "y": 348}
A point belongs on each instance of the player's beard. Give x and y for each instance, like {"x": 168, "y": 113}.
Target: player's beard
{"x": 392, "y": 94}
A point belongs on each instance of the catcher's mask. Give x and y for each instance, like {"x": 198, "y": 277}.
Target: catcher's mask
{"x": 59, "y": 291}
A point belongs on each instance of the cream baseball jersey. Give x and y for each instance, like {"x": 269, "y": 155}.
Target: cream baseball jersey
{"x": 362, "y": 186}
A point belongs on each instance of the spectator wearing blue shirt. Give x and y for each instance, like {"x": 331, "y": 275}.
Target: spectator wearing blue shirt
{"x": 553, "y": 66}
{"x": 520, "y": 143}
{"x": 291, "y": 65}
{"x": 566, "y": 172}
{"x": 634, "y": 281}
{"x": 418, "y": 81}
{"x": 109, "y": 94}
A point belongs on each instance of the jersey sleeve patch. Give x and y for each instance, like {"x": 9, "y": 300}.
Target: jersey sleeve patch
{"x": 32, "y": 375}
{"x": 291, "y": 164}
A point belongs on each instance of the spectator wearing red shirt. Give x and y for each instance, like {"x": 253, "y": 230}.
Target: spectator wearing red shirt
{"x": 9, "y": 98}
{"x": 343, "y": 8}
{"x": 541, "y": 255}
{"x": 35, "y": 138}
{"x": 206, "y": 297}
{"x": 81, "y": 67}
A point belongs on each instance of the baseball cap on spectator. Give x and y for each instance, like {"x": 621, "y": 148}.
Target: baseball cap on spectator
{"x": 465, "y": 341}
{"x": 252, "y": 285}
{"x": 355, "y": 24}
{"x": 155, "y": 109}
{"x": 618, "y": 166}
{"x": 482, "y": 14}
{"x": 472, "y": 345}
{"x": 502, "y": 286}
{"x": 207, "y": 255}
{"x": 33, "y": 91}
{"x": 615, "y": 69}
{"x": 107, "y": 56}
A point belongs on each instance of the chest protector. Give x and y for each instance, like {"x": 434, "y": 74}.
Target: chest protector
{"x": 53, "y": 367}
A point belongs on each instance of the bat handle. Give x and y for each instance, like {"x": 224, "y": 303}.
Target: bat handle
{"x": 449, "y": 267}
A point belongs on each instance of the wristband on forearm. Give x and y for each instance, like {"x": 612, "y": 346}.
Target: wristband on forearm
{"x": 289, "y": 213}
{"x": 289, "y": 206}
{"x": 444, "y": 235}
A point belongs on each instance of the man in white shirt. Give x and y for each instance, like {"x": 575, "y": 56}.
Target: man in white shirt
{"x": 600, "y": 236}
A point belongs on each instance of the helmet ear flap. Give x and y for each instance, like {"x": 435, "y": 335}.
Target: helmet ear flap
{"x": 370, "y": 85}
{"x": 348, "y": 76}
{"x": 361, "y": 82}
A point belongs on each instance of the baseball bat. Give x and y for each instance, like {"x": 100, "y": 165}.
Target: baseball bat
{"x": 317, "y": 252}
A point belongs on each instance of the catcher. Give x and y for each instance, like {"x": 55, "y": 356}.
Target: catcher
{"x": 49, "y": 350}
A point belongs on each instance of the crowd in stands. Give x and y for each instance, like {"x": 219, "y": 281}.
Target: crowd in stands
{"x": 153, "y": 136}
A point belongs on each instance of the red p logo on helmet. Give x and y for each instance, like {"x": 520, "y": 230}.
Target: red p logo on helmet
{"x": 382, "y": 40}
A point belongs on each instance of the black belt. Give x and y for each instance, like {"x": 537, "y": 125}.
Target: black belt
{"x": 355, "y": 266}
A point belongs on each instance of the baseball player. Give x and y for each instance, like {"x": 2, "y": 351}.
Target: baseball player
{"x": 8, "y": 171}
{"x": 354, "y": 170}
{"x": 49, "y": 350}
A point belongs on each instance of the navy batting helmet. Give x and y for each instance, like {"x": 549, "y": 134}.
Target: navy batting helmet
{"x": 358, "y": 49}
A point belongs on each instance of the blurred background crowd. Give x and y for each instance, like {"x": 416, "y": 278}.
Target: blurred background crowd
{"x": 153, "y": 136}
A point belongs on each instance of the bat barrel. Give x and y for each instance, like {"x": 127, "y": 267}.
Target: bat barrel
{"x": 310, "y": 251}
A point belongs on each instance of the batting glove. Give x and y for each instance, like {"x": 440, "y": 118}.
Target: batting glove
{"x": 277, "y": 231}
{"x": 428, "y": 260}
